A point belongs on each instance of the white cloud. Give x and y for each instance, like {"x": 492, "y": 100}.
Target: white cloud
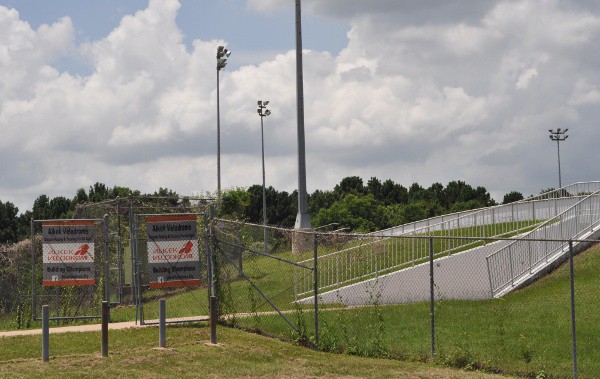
{"x": 462, "y": 94}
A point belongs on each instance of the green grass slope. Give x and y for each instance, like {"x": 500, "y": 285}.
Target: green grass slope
{"x": 133, "y": 354}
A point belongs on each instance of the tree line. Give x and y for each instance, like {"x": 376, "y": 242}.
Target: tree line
{"x": 351, "y": 204}
{"x": 360, "y": 207}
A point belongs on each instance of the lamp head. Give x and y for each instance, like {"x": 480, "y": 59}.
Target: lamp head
{"x": 265, "y": 103}
{"x": 268, "y": 112}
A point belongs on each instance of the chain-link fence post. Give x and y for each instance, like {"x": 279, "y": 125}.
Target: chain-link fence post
{"x": 573, "y": 330}
{"x": 431, "y": 297}
{"x": 239, "y": 237}
{"x": 132, "y": 286}
{"x": 119, "y": 251}
{"x": 138, "y": 269}
{"x": 316, "y": 288}
{"x": 33, "y": 305}
{"x": 106, "y": 274}
{"x": 212, "y": 261}
{"x": 45, "y": 333}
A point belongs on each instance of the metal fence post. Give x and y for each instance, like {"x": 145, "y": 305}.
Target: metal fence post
{"x": 119, "y": 251}
{"x": 573, "y": 330}
{"x": 213, "y": 319}
{"x": 208, "y": 242}
{"x": 45, "y": 333}
{"x": 213, "y": 272}
{"x": 104, "y": 320}
{"x": 33, "y": 305}
{"x": 132, "y": 286}
{"x": 316, "y": 288}
{"x": 239, "y": 238}
{"x": 431, "y": 297}
{"x": 138, "y": 269}
{"x": 106, "y": 253}
{"x": 162, "y": 323}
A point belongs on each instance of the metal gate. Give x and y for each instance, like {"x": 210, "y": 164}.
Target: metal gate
{"x": 256, "y": 271}
{"x": 69, "y": 267}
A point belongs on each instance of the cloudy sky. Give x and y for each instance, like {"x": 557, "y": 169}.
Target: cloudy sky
{"x": 124, "y": 92}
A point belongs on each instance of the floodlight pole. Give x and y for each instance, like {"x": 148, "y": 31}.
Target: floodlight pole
{"x": 558, "y": 135}
{"x": 302, "y": 219}
{"x": 263, "y": 112}
{"x": 222, "y": 55}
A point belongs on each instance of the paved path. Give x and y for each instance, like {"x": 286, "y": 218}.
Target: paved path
{"x": 75, "y": 328}
{"x": 95, "y": 327}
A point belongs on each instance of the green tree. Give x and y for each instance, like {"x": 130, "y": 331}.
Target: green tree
{"x": 59, "y": 207}
{"x": 512, "y": 196}
{"x": 9, "y": 225}
{"x": 234, "y": 200}
{"x": 362, "y": 214}
{"x": 318, "y": 200}
{"x": 349, "y": 185}
{"x": 41, "y": 208}
{"x": 393, "y": 193}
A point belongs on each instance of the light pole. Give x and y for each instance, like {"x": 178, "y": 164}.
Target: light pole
{"x": 558, "y": 135}
{"x": 302, "y": 219}
{"x": 222, "y": 55}
{"x": 263, "y": 112}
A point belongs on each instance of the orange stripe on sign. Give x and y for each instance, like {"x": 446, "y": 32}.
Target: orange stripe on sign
{"x": 176, "y": 283}
{"x": 171, "y": 218}
{"x": 69, "y": 282}
{"x": 69, "y": 223}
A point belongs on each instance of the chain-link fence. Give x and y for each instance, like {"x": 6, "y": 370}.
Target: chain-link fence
{"x": 414, "y": 296}
{"x": 136, "y": 266}
{"x": 257, "y": 274}
{"x": 69, "y": 267}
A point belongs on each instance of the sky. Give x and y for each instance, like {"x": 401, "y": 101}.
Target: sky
{"x": 124, "y": 93}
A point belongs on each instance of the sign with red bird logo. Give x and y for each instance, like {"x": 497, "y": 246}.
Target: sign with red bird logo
{"x": 68, "y": 252}
{"x": 173, "y": 257}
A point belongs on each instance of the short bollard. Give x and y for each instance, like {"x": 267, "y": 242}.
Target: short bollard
{"x": 45, "y": 333}
{"x": 213, "y": 319}
{"x": 105, "y": 316}
{"x": 162, "y": 323}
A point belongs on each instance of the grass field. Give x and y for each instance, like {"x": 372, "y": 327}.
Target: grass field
{"x": 526, "y": 332}
{"x": 133, "y": 353}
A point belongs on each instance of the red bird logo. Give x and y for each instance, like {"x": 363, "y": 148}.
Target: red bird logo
{"x": 186, "y": 248}
{"x": 83, "y": 249}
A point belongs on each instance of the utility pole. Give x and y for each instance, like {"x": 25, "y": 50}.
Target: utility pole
{"x": 558, "y": 135}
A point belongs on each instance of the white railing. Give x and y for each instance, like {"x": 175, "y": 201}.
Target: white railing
{"x": 392, "y": 249}
{"x": 519, "y": 260}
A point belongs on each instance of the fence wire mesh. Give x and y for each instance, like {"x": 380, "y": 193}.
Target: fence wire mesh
{"x": 68, "y": 267}
{"x": 418, "y": 296}
{"x": 257, "y": 273}
{"x": 130, "y": 277}
{"x": 170, "y": 263}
